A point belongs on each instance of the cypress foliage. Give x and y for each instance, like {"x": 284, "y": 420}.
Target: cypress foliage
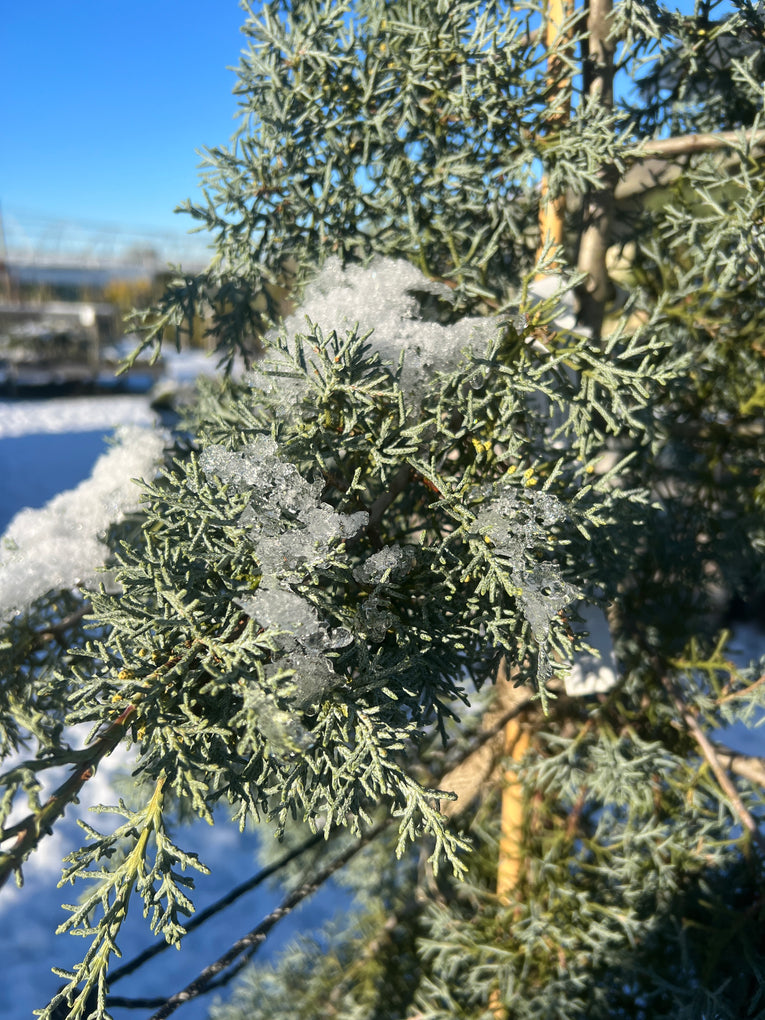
{"x": 367, "y": 555}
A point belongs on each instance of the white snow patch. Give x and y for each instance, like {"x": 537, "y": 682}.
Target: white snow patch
{"x": 597, "y": 671}
{"x": 547, "y": 287}
{"x": 382, "y": 297}
{"x": 60, "y": 545}
{"x": 74, "y": 414}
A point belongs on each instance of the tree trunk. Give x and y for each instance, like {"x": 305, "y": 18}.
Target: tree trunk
{"x": 599, "y": 204}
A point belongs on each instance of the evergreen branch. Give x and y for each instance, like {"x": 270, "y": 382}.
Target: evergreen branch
{"x": 249, "y": 944}
{"x": 397, "y": 486}
{"x": 225, "y": 901}
{"x": 38, "y": 824}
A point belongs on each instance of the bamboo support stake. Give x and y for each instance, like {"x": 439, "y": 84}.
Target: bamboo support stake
{"x": 557, "y": 40}
{"x": 510, "y": 840}
{"x": 510, "y": 853}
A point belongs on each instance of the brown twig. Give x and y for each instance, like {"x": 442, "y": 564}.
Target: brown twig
{"x": 57, "y": 630}
{"x": 747, "y": 766}
{"x": 710, "y": 753}
{"x": 682, "y": 145}
{"x": 31, "y": 829}
{"x": 741, "y": 693}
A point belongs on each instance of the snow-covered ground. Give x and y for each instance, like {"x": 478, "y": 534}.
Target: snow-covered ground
{"x": 48, "y": 446}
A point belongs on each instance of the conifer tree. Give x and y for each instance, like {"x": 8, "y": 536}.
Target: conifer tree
{"x": 376, "y": 568}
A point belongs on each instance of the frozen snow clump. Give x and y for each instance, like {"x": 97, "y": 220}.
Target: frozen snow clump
{"x": 291, "y": 529}
{"x": 513, "y": 521}
{"x": 61, "y": 545}
{"x": 382, "y": 298}
{"x": 292, "y": 618}
{"x": 395, "y": 561}
{"x": 516, "y": 522}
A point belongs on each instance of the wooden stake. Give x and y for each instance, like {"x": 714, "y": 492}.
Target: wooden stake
{"x": 511, "y": 838}
{"x": 557, "y": 40}
{"x": 510, "y": 856}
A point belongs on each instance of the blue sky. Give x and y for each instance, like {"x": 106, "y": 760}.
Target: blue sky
{"x": 105, "y": 105}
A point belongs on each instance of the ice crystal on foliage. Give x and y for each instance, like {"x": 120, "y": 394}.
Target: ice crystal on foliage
{"x": 516, "y": 520}
{"x": 393, "y": 560}
{"x": 313, "y": 676}
{"x": 283, "y": 611}
{"x": 274, "y": 483}
{"x": 514, "y": 523}
{"x": 292, "y": 531}
{"x": 279, "y": 726}
{"x": 377, "y": 621}
{"x": 294, "y": 619}
{"x": 61, "y": 545}
{"x": 381, "y": 298}
{"x": 543, "y": 593}
{"x": 275, "y": 487}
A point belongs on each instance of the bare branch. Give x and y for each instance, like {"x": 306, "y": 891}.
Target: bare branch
{"x": 225, "y": 901}
{"x": 598, "y": 211}
{"x": 746, "y": 766}
{"x": 38, "y": 824}
{"x": 684, "y": 145}
{"x": 713, "y": 759}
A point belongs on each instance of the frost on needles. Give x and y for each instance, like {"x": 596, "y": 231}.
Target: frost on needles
{"x": 285, "y": 546}
{"x": 357, "y": 535}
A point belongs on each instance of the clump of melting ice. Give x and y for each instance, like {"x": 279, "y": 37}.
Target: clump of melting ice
{"x": 391, "y": 563}
{"x": 518, "y": 521}
{"x": 395, "y": 561}
{"x": 61, "y": 545}
{"x": 382, "y": 298}
{"x": 292, "y": 618}
{"x": 290, "y": 527}
{"x": 292, "y": 532}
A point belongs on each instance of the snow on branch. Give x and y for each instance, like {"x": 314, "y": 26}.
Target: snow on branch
{"x": 61, "y": 545}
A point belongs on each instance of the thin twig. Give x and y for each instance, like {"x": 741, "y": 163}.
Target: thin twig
{"x": 743, "y": 692}
{"x": 748, "y": 766}
{"x": 38, "y": 824}
{"x": 681, "y": 145}
{"x": 710, "y": 754}
{"x": 56, "y": 630}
